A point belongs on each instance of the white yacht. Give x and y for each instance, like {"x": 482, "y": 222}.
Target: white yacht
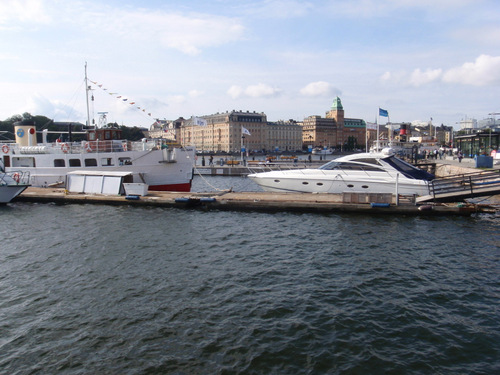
{"x": 358, "y": 173}
{"x": 161, "y": 164}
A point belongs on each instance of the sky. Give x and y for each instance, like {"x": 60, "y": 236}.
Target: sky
{"x": 418, "y": 59}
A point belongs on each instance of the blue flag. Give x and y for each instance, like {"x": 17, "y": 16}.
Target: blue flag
{"x": 383, "y": 112}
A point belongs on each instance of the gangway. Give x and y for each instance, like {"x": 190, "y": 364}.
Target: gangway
{"x": 459, "y": 187}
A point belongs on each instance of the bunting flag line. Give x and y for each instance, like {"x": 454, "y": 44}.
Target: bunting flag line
{"x": 115, "y": 94}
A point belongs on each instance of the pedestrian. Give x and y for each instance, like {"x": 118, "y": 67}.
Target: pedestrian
{"x": 460, "y": 156}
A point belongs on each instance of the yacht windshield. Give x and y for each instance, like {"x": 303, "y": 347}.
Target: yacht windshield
{"x": 360, "y": 165}
{"x": 408, "y": 170}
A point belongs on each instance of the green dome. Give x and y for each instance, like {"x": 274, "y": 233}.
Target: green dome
{"x": 337, "y": 104}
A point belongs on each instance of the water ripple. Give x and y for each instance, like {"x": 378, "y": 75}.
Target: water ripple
{"x": 122, "y": 290}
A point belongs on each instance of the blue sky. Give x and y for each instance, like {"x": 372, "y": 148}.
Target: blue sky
{"x": 419, "y": 59}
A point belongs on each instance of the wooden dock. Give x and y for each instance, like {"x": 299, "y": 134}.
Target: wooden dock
{"x": 260, "y": 201}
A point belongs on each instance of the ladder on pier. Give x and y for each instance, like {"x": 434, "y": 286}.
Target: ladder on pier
{"x": 459, "y": 187}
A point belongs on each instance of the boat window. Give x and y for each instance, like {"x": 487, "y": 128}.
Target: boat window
{"x": 369, "y": 161}
{"x": 408, "y": 170}
{"x": 125, "y": 161}
{"x": 75, "y": 163}
{"x": 90, "y": 162}
{"x": 107, "y": 162}
{"x": 59, "y": 163}
{"x": 351, "y": 166}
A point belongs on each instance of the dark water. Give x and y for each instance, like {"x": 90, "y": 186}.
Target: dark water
{"x": 88, "y": 289}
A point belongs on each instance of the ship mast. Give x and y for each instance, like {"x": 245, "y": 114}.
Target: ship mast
{"x": 87, "y": 88}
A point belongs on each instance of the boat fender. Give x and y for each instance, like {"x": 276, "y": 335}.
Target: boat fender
{"x": 425, "y": 207}
{"x": 5, "y": 149}
{"x": 207, "y": 199}
{"x": 181, "y": 200}
{"x": 64, "y": 148}
{"x": 380, "y": 205}
{"x": 132, "y": 197}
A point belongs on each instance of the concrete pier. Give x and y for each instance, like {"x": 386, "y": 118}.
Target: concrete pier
{"x": 260, "y": 201}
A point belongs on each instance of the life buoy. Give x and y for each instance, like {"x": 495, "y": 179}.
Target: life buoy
{"x": 65, "y": 148}
{"x": 5, "y": 149}
{"x": 88, "y": 147}
{"x": 16, "y": 177}
{"x": 125, "y": 147}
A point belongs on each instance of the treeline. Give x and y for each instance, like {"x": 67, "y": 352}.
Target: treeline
{"x": 42, "y": 122}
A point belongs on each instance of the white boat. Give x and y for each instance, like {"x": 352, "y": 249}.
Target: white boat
{"x": 322, "y": 151}
{"x": 357, "y": 173}
{"x": 11, "y": 185}
{"x": 162, "y": 165}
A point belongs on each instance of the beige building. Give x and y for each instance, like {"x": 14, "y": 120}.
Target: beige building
{"x": 228, "y": 132}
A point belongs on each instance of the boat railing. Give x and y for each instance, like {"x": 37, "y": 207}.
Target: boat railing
{"x": 257, "y": 167}
{"x": 96, "y": 146}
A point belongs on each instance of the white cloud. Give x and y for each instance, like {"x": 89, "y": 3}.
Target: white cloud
{"x": 319, "y": 88}
{"x": 260, "y": 90}
{"x": 484, "y": 71}
{"x": 235, "y": 91}
{"x": 377, "y": 8}
{"x": 278, "y": 8}
{"x": 195, "y": 93}
{"x": 486, "y": 35}
{"x": 418, "y": 78}
{"x": 186, "y": 33}
{"x": 23, "y": 11}
{"x": 55, "y": 109}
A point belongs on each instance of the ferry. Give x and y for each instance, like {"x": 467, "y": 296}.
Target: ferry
{"x": 163, "y": 165}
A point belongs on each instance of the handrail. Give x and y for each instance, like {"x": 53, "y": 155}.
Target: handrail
{"x": 465, "y": 182}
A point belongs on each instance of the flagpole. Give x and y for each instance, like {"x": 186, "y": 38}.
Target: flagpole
{"x": 241, "y": 148}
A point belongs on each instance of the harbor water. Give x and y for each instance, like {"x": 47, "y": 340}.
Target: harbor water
{"x": 96, "y": 289}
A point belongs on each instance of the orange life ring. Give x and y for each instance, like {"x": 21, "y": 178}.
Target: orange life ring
{"x": 65, "y": 148}
{"x": 88, "y": 147}
{"x": 125, "y": 147}
{"x": 16, "y": 177}
{"x": 5, "y": 149}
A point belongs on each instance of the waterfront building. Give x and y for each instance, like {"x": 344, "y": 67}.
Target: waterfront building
{"x": 164, "y": 129}
{"x": 468, "y": 123}
{"x": 478, "y": 142}
{"x": 284, "y": 136}
{"x": 223, "y": 132}
{"x": 334, "y": 130}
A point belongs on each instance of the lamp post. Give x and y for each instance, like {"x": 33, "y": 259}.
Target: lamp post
{"x": 494, "y": 124}
{"x": 242, "y": 149}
